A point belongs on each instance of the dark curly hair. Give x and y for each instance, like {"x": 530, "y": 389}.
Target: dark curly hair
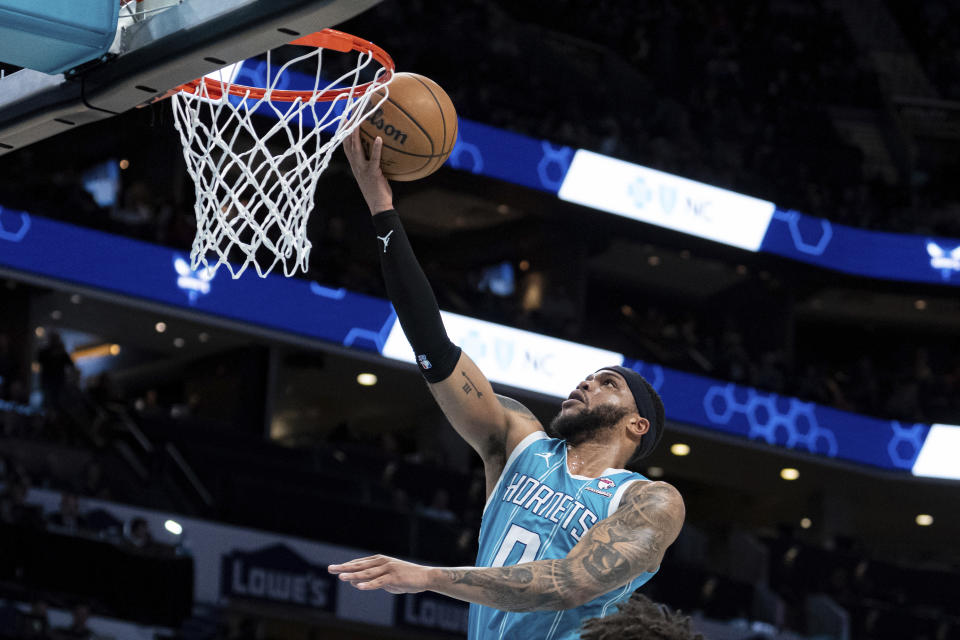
{"x": 640, "y": 618}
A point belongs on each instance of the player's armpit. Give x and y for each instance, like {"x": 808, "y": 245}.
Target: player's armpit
{"x": 629, "y": 543}
{"x": 491, "y": 424}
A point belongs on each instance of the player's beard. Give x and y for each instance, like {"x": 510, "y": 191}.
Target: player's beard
{"x": 585, "y": 425}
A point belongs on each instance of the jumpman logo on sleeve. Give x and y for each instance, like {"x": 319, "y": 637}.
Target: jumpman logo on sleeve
{"x": 386, "y": 240}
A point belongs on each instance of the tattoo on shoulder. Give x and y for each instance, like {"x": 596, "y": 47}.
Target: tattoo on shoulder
{"x": 515, "y": 407}
{"x": 634, "y": 539}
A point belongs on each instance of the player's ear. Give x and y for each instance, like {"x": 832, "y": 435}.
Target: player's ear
{"x": 638, "y": 426}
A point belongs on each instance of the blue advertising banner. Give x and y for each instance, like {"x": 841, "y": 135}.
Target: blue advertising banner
{"x": 142, "y": 270}
{"x": 890, "y": 256}
{"x": 148, "y": 272}
{"x": 510, "y": 157}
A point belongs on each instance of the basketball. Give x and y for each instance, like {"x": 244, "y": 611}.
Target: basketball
{"x": 418, "y": 124}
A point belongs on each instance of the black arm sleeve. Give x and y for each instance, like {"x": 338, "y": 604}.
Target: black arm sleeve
{"x": 413, "y": 299}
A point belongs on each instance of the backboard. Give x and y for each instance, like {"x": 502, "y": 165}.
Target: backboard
{"x": 160, "y": 44}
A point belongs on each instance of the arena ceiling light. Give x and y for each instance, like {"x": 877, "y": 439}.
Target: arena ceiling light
{"x": 367, "y": 379}
{"x": 680, "y": 449}
{"x": 95, "y": 351}
{"x": 806, "y": 523}
{"x": 173, "y": 527}
{"x": 789, "y": 473}
{"x": 924, "y": 519}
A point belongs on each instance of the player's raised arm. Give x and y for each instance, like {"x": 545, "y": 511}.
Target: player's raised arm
{"x": 491, "y": 424}
{"x": 612, "y": 553}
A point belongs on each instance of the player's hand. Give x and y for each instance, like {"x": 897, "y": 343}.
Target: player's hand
{"x": 383, "y": 572}
{"x": 373, "y": 185}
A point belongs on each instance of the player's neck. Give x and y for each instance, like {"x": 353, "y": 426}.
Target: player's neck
{"x": 592, "y": 458}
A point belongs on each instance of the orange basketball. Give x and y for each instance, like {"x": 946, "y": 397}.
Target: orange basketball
{"x": 418, "y": 125}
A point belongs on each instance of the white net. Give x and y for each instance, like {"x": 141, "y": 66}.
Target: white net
{"x": 255, "y": 161}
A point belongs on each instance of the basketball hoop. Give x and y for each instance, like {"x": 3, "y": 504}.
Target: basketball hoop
{"x": 255, "y": 189}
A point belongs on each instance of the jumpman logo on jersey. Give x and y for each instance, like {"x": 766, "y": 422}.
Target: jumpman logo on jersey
{"x": 545, "y": 456}
{"x": 386, "y": 240}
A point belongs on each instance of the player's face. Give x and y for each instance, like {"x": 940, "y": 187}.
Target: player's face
{"x": 601, "y": 388}
{"x": 598, "y": 404}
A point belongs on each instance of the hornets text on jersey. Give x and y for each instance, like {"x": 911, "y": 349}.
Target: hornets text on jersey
{"x": 538, "y": 510}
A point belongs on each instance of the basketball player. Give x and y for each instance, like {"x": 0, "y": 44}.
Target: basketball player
{"x": 567, "y": 533}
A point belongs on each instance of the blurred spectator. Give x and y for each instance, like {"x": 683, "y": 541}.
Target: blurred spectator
{"x": 68, "y": 518}
{"x": 55, "y": 364}
{"x": 182, "y": 410}
{"x": 439, "y": 507}
{"x": 92, "y": 483}
{"x": 35, "y": 623}
{"x": 78, "y": 626}
{"x": 14, "y": 508}
{"x": 149, "y": 405}
{"x": 101, "y": 389}
{"x": 101, "y": 522}
{"x": 139, "y": 534}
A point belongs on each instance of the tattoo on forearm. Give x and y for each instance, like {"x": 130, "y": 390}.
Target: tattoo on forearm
{"x": 531, "y": 586}
{"x": 469, "y": 385}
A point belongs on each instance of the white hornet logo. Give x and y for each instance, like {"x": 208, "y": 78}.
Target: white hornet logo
{"x": 940, "y": 259}
{"x": 195, "y": 283}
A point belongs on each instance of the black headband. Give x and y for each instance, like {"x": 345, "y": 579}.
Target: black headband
{"x": 645, "y": 408}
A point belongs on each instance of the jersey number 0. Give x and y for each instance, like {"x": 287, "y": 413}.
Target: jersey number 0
{"x": 518, "y": 535}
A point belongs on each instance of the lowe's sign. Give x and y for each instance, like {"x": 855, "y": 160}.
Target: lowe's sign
{"x": 277, "y": 574}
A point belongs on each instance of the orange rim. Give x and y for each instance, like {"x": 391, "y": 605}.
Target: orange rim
{"x": 325, "y": 39}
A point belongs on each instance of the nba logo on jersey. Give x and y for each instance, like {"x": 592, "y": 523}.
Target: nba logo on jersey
{"x": 424, "y": 363}
{"x": 606, "y": 483}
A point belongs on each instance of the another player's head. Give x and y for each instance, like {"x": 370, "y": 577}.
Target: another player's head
{"x": 639, "y": 618}
{"x": 613, "y": 399}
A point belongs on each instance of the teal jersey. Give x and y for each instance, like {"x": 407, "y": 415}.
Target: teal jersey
{"x": 538, "y": 510}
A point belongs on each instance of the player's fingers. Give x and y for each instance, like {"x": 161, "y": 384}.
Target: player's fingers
{"x": 378, "y": 583}
{"x": 356, "y": 564}
{"x": 363, "y": 574}
{"x": 351, "y": 147}
{"x": 365, "y": 559}
{"x": 375, "y": 150}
